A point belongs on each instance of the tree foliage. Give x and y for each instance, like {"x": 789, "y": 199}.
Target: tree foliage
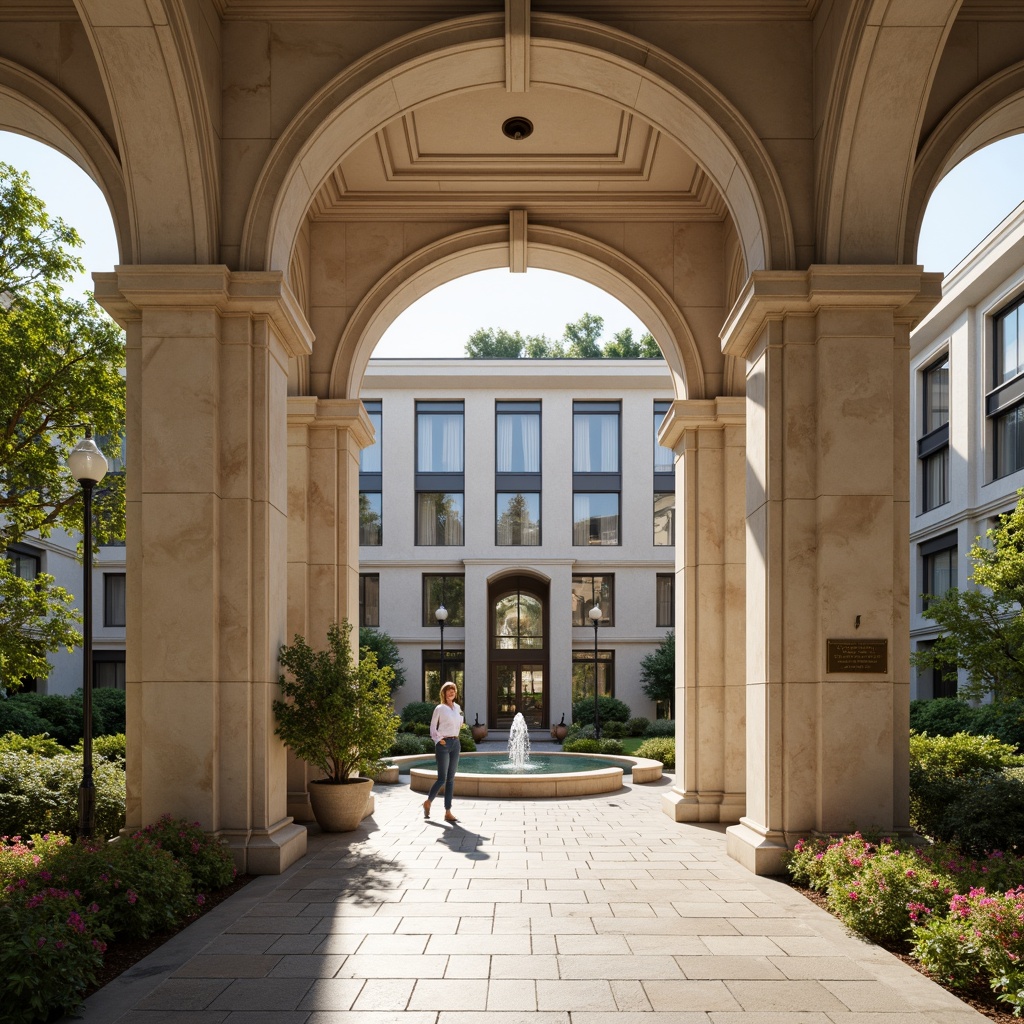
{"x": 982, "y": 631}
{"x": 658, "y": 672}
{"x": 581, "y": 339}
{"x": 336, "y": 715}
{"x": 61, "y": 363}
{"x": 383, "y": 646}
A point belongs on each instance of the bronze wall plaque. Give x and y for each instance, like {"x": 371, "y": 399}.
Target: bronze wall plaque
{"x": 857, "y": 656}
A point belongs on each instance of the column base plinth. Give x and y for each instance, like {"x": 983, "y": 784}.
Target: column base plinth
{"x": 267, "y": 851}
{"x": 706, "y": 805}
{"x": 761, "y": 852}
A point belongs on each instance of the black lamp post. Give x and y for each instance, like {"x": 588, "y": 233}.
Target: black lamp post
{"x": 595, "y": 618}
{"x": 88, "y": 467}
{"x": 441, "y": 615}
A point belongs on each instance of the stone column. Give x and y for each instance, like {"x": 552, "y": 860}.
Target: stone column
{"x": 208, "y": 353}
{"x": 709, "y": 439}
{"x": 827, "y": 353}
{"x": 325, "y": 437}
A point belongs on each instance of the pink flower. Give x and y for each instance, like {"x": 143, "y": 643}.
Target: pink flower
{"x": 132, "y": 897}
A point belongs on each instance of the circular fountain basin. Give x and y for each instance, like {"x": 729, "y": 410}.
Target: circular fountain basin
{"x": 555, "y": 774}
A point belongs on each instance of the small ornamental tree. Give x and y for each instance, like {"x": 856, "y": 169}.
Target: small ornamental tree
{"x": 335, "y": 714}
{"x": 658, "y": 673}
{"x": 383, "y": 645}
{"x": 982, "y": 631}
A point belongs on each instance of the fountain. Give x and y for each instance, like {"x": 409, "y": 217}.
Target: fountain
{"x": 520, "y": 775}
{"x": 519, "y": 744}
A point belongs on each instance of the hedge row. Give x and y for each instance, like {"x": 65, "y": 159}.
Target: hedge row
{"x": 60, "y": 717}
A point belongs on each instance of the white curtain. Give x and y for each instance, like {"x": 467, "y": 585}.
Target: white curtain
{"x": 581, "y": 443}
{"x": 531, "y": 443}
{"x": 451, "y": 454}
{"x": 581, "y": 519}
{"x": 609, "y": 444}
{"x": 424, "y": 444}
{"x": 504, "y": 443}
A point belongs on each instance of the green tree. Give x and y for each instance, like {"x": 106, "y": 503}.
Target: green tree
{"x": 622, "y": 346}
{"x": 491, "y": 343}
{"x": 539, "y": 346}
{"x": 582, "y": 337}
{"x": 61, "y": 363}
{"x": 384, "y": 648}
{"x": 649, "y": 347}
{"x": 658, "y": 672}
{"x": 982, "y": 631}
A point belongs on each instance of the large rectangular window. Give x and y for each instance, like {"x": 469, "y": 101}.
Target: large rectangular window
{"x": 369, "y": 599}
{"x": 108, "y": 670}
{"x": 595, "y": 437}
{"x": 664, "y": 458}
{"x": 938, "y": 566}
{"x": 444, "y": 589}
{"x": 933, "y": 446}
{"x": 1009, "y": 343}
{"x": 1004, "y": 404}
{"x": 664, "y": 599}
{"x": 517, "y": 518}
{"x": 454, "y": 671}
{"x": 583, "y": 674}
{"x": 940, "y": 680}
{"x": 370, "y": 459}
{"x": 371, "y": 519}
{"x": 439, "y": 437}
{"x": 439, "y": 519}
{"x": 113, "y": 599}
{"x": 25, "y": 563}
{"x": 595, "y": 519}
{"x": 1008, "y": 440}
{"x": 588, "y": 589}
{"x": 517, "y": 437}
{"x": 664, "y": 520}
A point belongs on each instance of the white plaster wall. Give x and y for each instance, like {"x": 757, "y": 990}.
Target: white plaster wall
{"x": 399, "y": 384}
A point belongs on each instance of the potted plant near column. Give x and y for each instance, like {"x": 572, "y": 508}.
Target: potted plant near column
{"x": 479, "y": 730}
{"x": 338, "y": 716}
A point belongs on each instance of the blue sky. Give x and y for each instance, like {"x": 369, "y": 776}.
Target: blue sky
{"x": 967, "y": 204}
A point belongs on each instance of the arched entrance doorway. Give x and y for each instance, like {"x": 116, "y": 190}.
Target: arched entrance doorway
{"x": 517, "y": 656}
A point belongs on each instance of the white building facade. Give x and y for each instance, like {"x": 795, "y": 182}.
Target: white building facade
{"x": 518, "y": 493}
{"x": 967, "y": 424}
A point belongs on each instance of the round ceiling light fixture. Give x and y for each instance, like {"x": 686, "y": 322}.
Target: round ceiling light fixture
{"x": 517, "y": 128}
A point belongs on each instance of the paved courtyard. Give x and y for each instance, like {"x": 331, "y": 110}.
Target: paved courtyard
{"x": 596, "y": 910}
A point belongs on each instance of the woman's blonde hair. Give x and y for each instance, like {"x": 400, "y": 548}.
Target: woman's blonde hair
{"x": 449, "y": 685}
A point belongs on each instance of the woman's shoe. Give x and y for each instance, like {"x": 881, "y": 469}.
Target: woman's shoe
{"x": 450, "y": 817}
{"x": 426, "y": 808}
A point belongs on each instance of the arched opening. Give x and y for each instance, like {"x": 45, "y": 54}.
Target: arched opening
{"x": 518, "y": 652}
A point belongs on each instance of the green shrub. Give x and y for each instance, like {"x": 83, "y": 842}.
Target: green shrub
{"x": 637, "y": 726}
{"x": 582, "y": 746}
{"x": 46, "y": 746}
{"x": 961, "y": 755}
{"x": 109, "y": 748}
{"x": 466, "y": 742}
{"x": 661, "y": 749}
{"x": 1003, "y": 719}
{"x": 40, "y": 794}
{"x": 661, "y": 727}
{"x": 581, "y": 732}
{"x": 51, "y": 946}
{"x": 611, "y": 746}
{"x": 406, "y": 744}
{"x": 608, "y": 708}
{"x": 110, "y": 704}
{"x": 943, "y": 716}
{"x": 614, "y": 730}
{"x": 60, "y": 716}
{"x": 419, "y": 729}
{"x": 418, "y": 711}
{"x": 18, "y": 717}
{"x": 206, "y": 857}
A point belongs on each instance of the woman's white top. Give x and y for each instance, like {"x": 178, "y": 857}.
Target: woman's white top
{"x": 446, "y": 722}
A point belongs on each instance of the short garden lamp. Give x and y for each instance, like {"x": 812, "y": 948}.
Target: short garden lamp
{"x": 441, "y": 615}
{"x": 88, "y": 467}
{"x": 595, "y": 618}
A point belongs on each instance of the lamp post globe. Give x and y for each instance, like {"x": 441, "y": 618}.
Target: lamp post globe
{"x": 88, "y": 467}
{"x": 441, "y": 615}
{"x": 595, "y": 618}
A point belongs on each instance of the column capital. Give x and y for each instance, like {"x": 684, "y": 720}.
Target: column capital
{"x": 127, "y": 291}
{"x": 340, "y": 413}
{"x": 908, "y": 291}
{"x": 700, "y": 413}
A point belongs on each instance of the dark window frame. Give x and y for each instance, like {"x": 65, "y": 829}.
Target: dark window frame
{"x": 587, "y": 580}
{"x": 659, "y": 581}
{"x": 428, "y": 619}
{"x": 108, "y": 618}
{"x": 364, "y": 581}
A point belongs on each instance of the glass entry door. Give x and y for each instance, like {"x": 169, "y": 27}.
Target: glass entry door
{"x": 517, "y": 688}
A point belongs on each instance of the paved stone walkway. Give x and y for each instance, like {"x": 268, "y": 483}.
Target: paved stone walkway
{"x": 596, "y": 910}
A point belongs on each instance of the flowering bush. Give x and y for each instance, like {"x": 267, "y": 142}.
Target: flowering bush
{"x": 980, "y": 939}
{"x": 51, "y": 946}
{"x": 205, "y": 856}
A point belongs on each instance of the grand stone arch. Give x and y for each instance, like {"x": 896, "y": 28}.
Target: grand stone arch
{"x": 470, "y": 55}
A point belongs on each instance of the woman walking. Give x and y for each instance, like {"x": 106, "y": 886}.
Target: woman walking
{"x": 444, "y": 731}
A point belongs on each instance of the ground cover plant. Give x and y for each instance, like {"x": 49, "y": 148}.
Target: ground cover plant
{"x": 61, "y": 903}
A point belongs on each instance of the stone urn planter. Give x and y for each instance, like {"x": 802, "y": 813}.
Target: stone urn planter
{"x": 559, "y": 731}
{"x": 339, "y": 806}
{"x": 478, "y": 729}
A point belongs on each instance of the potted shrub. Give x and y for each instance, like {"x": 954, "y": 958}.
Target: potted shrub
{"x": 338, "y": 716}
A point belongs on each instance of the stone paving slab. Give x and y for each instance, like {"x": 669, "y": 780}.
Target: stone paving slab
{"x": 591, "y": 910}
